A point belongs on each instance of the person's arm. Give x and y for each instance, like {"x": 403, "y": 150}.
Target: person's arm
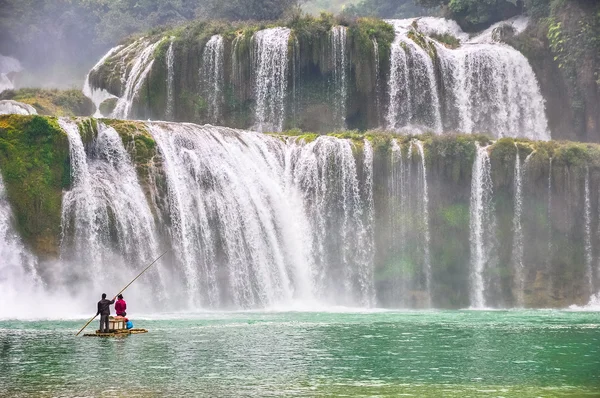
{"x": 124, "y": 305}
{"x": 98, "y": 309}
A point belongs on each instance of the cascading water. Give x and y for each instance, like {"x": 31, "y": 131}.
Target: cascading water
{"x": 549, "y": 215}
{"x": 413, "y": 91}
{"x": 408, "y": 198}
{"x": 213, "y": 77}
{"x": 106, "y": 221}
{"x": 518, "y": 238}
{"x": 133, "y": 78}
{"x": 488, "y": 87}
{"x": 377, "y": 79}
{"x": 425, "y": 222}
{"x": 231, "y": 228}
{"x": 367, "y": 250}
{"x": 397, "y": 200}
{"x": 98, "y": 95}
{"x": 18, "y": 274}
{"x": 517, "y": 254}
{"x": 588, "y": 234}
{"x": 271, "y": 65}
{"x": 482, "y": 226}
{"x": 481, "y": 86}
{"x": 170, "y": 108}
{"x": 491, "y": 88}
{"x": 339, "y": 60}
{"x": 325, "y": 173}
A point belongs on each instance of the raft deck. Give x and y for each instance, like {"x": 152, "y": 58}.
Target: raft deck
{"x": 116, "y": 333}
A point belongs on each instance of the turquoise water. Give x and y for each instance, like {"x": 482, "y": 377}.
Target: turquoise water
{"x": 446, "y": 353}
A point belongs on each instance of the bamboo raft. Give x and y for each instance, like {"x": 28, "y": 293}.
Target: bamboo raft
{"x": 116, "y": 333}
{"x": 116, "y": 328}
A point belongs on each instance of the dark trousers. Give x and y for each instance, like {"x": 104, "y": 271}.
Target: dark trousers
{"x": 104, "y": 323}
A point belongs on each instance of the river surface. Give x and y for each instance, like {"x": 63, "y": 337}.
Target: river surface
{"x": 308, "y": 354}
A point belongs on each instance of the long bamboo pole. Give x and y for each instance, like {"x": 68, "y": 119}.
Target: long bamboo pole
{"x": 122, "y": 290}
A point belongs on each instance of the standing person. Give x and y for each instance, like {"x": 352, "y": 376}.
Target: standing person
{"x": 121, "y": 306}
{"x": 104, "y": 311}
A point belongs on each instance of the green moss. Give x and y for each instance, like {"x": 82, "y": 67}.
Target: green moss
{"x": 423, "y": 42}
{"x": 34, "y": 161}
{"x": 138, "y": 142}
{"x": 108, "y": 106}
{"x": 447, "y": 39}
{"x": 361, "y": 35}
{"x": 53, "y": 102}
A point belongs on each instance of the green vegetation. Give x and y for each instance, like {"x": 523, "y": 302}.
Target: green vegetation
{"x": 447, "y": 39}
{"x": 138, "y": 142}
{"x": 34, "y": 161}
{"x": 52, "y": 102}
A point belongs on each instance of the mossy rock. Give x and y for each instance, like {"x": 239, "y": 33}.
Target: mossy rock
{"x": 53, "y": 102}
{"x": 107, "y": 107}
{"x": 34, "y": 161}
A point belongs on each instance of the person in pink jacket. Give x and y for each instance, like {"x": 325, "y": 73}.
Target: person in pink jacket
{"x": 120, "y": 306}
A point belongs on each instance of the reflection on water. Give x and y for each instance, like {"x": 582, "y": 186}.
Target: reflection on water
{"x": 454, "y": 353}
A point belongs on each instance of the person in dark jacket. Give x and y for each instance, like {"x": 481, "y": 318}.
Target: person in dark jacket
{"x": 104, "y": 312}
{"x": 121, "y": 306}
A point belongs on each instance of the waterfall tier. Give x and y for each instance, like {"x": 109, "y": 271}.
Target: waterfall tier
{"x": 390, "y": 76}
{"x": 283, "y": 221}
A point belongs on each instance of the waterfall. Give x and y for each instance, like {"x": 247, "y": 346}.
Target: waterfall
{"x": 377, "y": 79}
{"x": 133, "y": 78}
{"x": 98, "y": 95}
{"x": 491, "y": 88}
{"x": 213, "y": 77}
{"x": 588, "y": 234}
{"x": 249, "y": 217}
{"x": 170, "y": 108}
{"x": 326, "y": 174}
{"x": 367, "y": 249}
{"x": 397, "y": 199}
{"x": 549, "y": 215}
{"x": 518, "y": 238}
{"x": 232, "y": 226}
{"x": 425, "y": 222}
{"x": 339, "y": 61}
{"x": 413, "y": 91}
{"x": 271, "y": 64}
{"x": 18, "y": 274}
{"x": 408, "y": 197}
{"x": 106, "y": 221}
{"x": 488, "y": 87}
{"x": 399, "y": 111}
{"x": 482, "y": 226}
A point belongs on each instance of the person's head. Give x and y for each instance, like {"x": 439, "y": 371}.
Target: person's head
{"x": 120, "y": 296}
{"x": 103, "y": 296}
